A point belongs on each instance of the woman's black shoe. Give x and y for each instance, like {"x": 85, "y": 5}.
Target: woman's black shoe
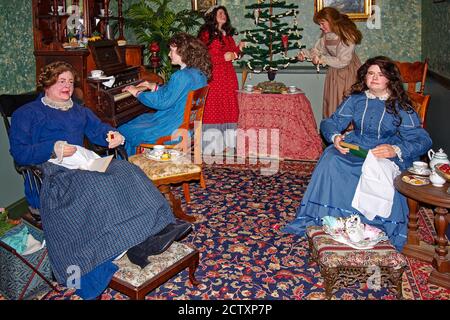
{"x": 183, "y": 228}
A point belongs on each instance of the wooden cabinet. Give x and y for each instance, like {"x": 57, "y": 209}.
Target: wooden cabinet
{"x": 56, "y": 21}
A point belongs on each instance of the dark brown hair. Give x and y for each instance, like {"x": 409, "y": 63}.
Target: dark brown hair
{"x": 193, "y": 52}
{"x": 398, "y": 98}
{"x": 50, "y": 73}
{"x": 340, "y": 24}
{"x": 211, "y": 26}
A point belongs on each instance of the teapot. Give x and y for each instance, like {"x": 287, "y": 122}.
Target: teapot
{"x": 437, "y": 157}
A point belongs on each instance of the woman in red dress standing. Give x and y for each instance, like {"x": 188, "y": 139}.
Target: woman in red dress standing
{"x": 221, "y": 109}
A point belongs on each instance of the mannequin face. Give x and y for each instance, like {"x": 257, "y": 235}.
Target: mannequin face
{"x": 221, "y": 17}
{"x": 63, "y": 88}
{"x": 174, "y": 57}
{"x": 376, "y": 81}
{"x": 324, "y": 26}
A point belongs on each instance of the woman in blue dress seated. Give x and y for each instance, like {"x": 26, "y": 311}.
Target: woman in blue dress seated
{"x": 170, "y": 99}
{"x": 385, "y": 123}
{"x": 89, "y": 218}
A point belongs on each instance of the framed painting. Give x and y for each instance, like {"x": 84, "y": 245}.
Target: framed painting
{"x": 202, "y": 5}
{"x": 357, "y": 10}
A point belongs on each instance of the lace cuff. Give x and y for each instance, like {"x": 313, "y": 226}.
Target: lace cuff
{"x": 398, "y": 151}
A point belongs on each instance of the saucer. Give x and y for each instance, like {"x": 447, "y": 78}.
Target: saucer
{"x": 415, "y": 180}
{"x": 425, "y": 173}
{"x": 151, "y": 154}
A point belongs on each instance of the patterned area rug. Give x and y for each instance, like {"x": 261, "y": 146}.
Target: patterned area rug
{"x": 245, "y": 256}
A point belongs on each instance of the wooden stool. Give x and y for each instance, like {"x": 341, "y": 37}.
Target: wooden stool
{"x": 341, "y": 265}
{"x": 136, "y": 282}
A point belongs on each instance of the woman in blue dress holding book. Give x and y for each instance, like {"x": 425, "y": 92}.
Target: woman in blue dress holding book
{"x": 385, "y": 123}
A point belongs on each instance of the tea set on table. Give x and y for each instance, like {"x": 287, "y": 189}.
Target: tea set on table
{"x": 420, "y": 168}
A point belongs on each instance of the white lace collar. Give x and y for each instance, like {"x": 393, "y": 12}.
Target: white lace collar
{"x": 372, "y": 96}
{"x": 64, "y": 105}
{"x": 182, "y": 66}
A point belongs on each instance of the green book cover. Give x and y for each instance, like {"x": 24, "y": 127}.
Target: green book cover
{"x": 359, "y": 153}
{"x": 355, "y": 149}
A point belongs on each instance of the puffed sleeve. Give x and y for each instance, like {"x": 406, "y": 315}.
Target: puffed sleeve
{"x": 412, "y": 139}
{"x": 167, "y": 95}
{"x": 339, "y": 120}
{"x": 215, "y": 49}
{"x": 25, "y": 126}
{"x": 317, "y": 50}
{"x": 343, "y": 57}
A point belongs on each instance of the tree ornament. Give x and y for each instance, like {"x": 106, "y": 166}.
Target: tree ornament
{"x": 285, "y": 42}
{"x": 256, "y": 14}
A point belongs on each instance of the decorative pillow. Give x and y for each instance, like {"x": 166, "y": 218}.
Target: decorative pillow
{"x": 164, "y": 169}
{"x": 333, "y": 254}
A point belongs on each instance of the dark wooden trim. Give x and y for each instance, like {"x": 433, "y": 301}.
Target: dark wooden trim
{"x": 444, "y": 81}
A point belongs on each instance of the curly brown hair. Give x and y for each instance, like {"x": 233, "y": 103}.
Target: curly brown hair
{"x": 340, "y": 24}
{"x": 398, "y": 98}
{"x": 50, "y": 73}
{"x": 193, "y": 52}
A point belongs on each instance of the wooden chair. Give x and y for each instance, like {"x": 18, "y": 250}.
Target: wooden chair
{"x": 187, "y": 139}
{"x": 420, "y": 103}
{"x": 32, "y": 174}
{"x": 413, "y": 72}
{"x": 188, "y": 134}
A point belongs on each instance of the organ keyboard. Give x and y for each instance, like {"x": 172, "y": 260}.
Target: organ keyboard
{"x": 112, "y": 105}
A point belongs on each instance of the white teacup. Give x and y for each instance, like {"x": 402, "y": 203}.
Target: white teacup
{"x": 420, "y": 166}
{"x": 158, "y": 149}
{"x": 292, "y": 88}
{"x": 249, "y": 87}
{"x": 96, "y": 73}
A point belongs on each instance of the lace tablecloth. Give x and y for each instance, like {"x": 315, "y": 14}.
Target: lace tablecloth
{"x": 290, "y": 113}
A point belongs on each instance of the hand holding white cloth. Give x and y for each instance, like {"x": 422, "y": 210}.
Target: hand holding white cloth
{"x": 62, "y": 149}
{"x": 375, "y": 191}
{"x": 79, "y": 160}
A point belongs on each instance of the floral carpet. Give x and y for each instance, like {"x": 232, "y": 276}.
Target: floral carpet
{"x": 243, "y": 254}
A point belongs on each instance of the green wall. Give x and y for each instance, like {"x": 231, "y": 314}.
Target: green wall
{"x": 436, "y": 36}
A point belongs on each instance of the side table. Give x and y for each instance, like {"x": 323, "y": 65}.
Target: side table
{"x": 437, "y": 254}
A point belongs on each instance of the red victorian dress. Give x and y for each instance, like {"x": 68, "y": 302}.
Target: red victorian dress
{"x": 221, "y": 104}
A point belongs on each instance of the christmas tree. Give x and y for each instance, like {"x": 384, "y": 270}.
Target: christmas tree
{"x": 269, "y": 43}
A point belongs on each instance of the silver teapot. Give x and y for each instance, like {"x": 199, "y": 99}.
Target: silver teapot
{"x": 437, "y": 158}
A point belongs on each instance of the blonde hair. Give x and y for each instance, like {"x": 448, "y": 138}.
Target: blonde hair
{"x": 340, "y": 24}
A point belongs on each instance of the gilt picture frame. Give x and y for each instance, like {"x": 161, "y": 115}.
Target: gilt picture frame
{"x": 202, "y": 5}
{"x": 357, "y": 10}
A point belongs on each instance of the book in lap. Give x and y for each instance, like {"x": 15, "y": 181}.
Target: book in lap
{"x": 355, "y": 149}
{"x": 84, "y": 159}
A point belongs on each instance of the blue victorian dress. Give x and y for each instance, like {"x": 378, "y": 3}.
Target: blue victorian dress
{"x": 334, "y": 180}
{"x": 169, "y": 101}
{"x": 89, "y": 218}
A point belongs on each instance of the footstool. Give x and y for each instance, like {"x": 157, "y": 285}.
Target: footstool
{"x": 341, "y": 265}
{"x": 136, "y": 282}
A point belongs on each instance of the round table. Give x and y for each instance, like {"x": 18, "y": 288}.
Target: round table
{"x": 438, "y": 255}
